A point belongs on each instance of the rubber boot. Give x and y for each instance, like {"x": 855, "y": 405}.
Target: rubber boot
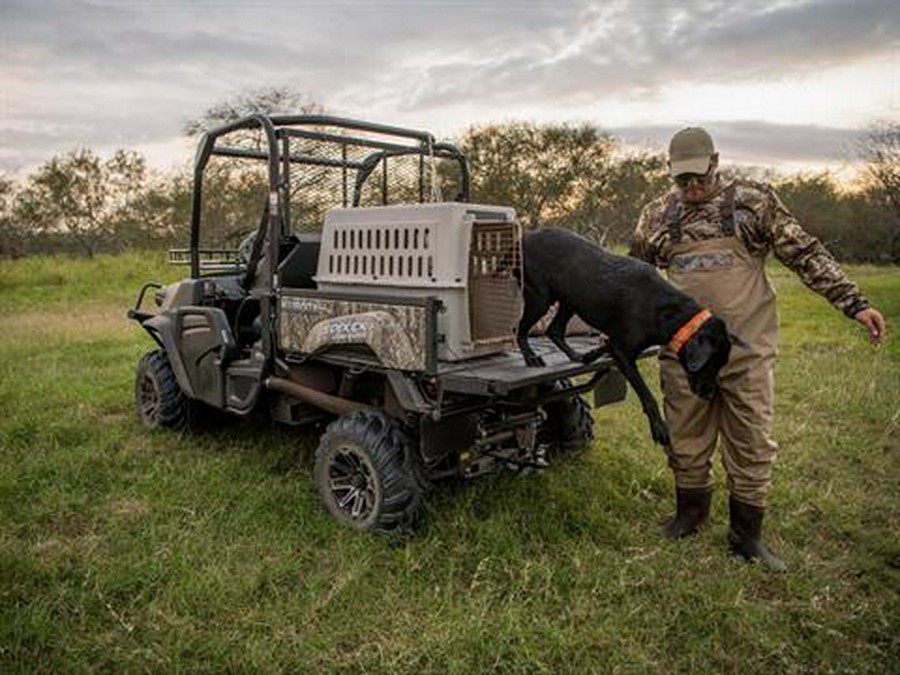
{"x": 744, "y": 535}
{"x": 692, "y": 511}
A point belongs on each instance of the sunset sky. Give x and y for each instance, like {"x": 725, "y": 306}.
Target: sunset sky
{"x": 779, "y": 83}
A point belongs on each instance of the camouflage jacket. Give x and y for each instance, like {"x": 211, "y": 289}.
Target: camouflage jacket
{"x": 763, "y": 224}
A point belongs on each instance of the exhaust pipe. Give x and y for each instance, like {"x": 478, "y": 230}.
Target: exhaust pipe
{"x": 333, "y": 404}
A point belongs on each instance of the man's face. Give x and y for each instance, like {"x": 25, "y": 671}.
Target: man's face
{"x": 697, "y": 187}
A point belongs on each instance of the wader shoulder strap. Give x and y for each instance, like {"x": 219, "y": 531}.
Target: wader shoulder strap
{"x": 727, "y": 213}
{"x": 672, "y": 219}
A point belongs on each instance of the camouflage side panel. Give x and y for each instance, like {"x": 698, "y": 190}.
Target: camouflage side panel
{"x": 397, "y": 334}
{"x": 763, "y": 225}
{"x": 378, "y": 330}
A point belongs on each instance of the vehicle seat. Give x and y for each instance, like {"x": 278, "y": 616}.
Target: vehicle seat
{"x": 299, "y": 266}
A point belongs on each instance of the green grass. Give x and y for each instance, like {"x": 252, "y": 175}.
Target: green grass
{"x": 128, "y": 551}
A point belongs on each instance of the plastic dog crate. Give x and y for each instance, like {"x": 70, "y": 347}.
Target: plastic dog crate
{"x": 468, "y": 256}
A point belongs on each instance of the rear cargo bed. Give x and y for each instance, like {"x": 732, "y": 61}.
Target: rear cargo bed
{"x": 500, "y": 374}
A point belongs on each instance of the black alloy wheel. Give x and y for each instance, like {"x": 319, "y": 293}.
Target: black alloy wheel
{"x": 364, "y": 472}
{"x": 157, "y": 396}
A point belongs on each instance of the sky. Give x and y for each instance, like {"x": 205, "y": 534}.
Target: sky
{"x": 782, "y": 84}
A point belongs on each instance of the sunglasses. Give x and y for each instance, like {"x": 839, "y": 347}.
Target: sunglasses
{"x": 685, "y": 179}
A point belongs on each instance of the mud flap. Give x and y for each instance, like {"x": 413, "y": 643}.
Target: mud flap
{"x": 611, "y": 388}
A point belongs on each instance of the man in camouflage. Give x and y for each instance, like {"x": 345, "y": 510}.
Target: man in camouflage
{"x": 712, "y": 237}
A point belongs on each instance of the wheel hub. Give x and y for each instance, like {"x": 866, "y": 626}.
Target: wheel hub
{"x": 149, "y": 398}
{"x": 352, "y": 483}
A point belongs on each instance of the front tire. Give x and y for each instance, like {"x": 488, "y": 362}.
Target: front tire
{"x": 363, "y": 472}
{"x": 159, "y": 400}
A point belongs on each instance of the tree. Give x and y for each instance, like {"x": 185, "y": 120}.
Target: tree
{"x": 855, "y": 226}
{"x": 632, "y": 181}
{"x": 548, "y": 173}
{"x": 880, "y": 149}
{"x": 234, "y": 188}
{"x": 81, "y": 198}
{"x": 268, "y": 101}
{"x": 872, "y": 229}
{"x": 160, "y": 214}
{"x": 817, "y": 204}
{"x": 11, "y": 240}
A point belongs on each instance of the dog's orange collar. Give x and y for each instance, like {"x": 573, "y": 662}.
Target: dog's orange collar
{"x": 687, "y": 330}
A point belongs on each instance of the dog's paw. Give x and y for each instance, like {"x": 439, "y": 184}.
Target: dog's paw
{"x": 534, "y": 361}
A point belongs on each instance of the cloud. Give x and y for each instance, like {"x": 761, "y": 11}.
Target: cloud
{"x": 757, "y": 143}
{"x": 636, "y": 50}
{"x": 104, "y": 73}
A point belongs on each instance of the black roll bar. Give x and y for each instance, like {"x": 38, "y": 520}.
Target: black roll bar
{"x": 279, "y": 127}
{"x": 442, "y": 150}
{"x": 205, "y": 151}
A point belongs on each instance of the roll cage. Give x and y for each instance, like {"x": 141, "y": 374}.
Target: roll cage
{"x": 382, "y": 143}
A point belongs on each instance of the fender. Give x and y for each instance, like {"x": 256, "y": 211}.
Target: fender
{"x": 378, "y": 330}
{"x": 163, "y": 329}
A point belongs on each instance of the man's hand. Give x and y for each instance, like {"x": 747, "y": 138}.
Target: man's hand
{"x": 873, "y": 321}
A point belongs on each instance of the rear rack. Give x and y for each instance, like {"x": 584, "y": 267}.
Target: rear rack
{"x": 215, "y": 260}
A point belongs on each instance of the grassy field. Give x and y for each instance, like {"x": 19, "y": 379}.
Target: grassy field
{"x": 128, "y": 551}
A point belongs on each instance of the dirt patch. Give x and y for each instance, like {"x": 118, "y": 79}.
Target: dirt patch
{"x": 65, "y": 322}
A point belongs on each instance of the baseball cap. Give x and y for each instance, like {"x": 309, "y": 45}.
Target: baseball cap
{"x": 690, "y": 151}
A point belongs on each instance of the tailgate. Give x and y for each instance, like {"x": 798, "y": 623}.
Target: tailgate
{"x": 501, "y": 374}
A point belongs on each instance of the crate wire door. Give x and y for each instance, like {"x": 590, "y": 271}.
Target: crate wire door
{"x": 495, "y": 268}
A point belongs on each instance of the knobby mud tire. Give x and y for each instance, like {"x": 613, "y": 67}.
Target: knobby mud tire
{"x": 569, "y": 427}
{"x": 365, "y": 472}
{"x": 159, "y": 400}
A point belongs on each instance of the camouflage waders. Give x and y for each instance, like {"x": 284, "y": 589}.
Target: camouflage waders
{"x": 722, "y": 275}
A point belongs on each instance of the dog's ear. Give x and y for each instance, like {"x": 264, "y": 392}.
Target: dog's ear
{"x": 736, "y": 340}
{"x": 697, "y": 351}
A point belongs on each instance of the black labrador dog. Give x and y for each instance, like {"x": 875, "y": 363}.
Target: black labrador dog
{"x": 628, "y": 301}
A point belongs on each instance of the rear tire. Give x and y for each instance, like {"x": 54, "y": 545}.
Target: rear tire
{"x": 159, "y": 400}
{"x": 364, "y": 472}
{"x": 569, "y": 427}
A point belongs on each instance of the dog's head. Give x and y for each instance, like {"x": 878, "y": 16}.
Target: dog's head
{"x": 703, "y": 356}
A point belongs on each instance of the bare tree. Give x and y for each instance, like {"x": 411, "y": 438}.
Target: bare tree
{"x": 880, "y": 148}
{"x": 268, "y": 100}
{"x": 241, "y": 185}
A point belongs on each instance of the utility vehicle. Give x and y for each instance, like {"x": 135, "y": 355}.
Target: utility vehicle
{"x": 363, "y": 298}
